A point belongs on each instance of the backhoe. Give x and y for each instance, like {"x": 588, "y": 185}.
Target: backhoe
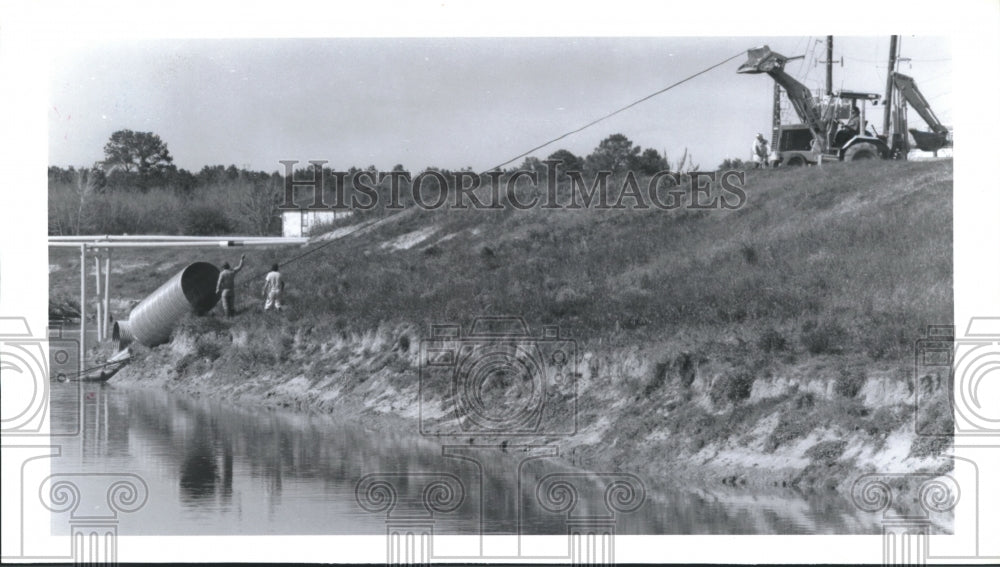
{"x": 834, "y": 128}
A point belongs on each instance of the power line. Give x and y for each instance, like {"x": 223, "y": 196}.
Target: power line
{"x": 803, "y": 60}
{"x": 248, "y": 281}
{"x": 901, "y": 58}
{"x": 620, "y": 110}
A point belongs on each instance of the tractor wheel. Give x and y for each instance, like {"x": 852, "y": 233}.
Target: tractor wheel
{"x": 861, "y": 151}
{"x": 796, "y": 161}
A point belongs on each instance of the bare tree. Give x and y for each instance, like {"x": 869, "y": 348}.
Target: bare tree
{"x": 258, "y": 200}
{"x": 84, "y": 184}
{"x": 685, "y": 164}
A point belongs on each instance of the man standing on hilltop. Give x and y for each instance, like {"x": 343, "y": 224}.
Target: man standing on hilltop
{"x": 226, "y": 284}
{"x": 273, "y": 286}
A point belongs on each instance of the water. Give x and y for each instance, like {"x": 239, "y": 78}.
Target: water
{"x": 213, "y": 468}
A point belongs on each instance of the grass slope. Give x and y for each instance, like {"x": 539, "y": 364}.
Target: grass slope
{"x": 775, "y": 337}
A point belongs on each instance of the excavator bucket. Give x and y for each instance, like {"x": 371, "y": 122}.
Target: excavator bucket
{"x": 929, "y": 141}
{"x": 762, "y": 60}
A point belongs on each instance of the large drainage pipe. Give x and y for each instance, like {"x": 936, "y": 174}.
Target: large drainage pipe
{"x": 192, "y": 290}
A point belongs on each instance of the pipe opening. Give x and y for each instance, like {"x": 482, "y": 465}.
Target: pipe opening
{"x": 121, "y": 335}
{"x": 198, "y": 285}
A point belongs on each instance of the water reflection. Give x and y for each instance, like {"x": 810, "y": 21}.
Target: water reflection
{"x": 199, "y": 473}
{"x": 216, "y": 468}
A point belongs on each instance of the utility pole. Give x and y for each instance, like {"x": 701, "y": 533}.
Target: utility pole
{"x": 829, "y": 65}
{"x": 888, "y": 85}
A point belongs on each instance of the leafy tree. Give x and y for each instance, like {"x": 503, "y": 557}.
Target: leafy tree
{"x": 211, "y": 174}
{"x": 532, "y": 163}
{"x": 143, "y": 153}
{"x": 570, "y": 162}
{"x": 183, "y": 180}
{"x": 733, "y": 163}
{"x": 615, "y": 153}
{"x": 651, "y": 162}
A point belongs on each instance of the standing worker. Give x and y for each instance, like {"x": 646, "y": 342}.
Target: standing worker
{"x": 225, "y": 286}
{"x": 760, "y": 151}
{"x": 273, "y": 287}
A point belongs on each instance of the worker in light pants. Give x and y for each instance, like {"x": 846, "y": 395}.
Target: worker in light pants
{"x": 760, "y": 151}
{"x": 225, "y": 286}
{"x": 273, "y": 287}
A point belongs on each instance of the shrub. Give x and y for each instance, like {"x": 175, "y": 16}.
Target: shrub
{"x": 826, "y": 452}
{"x": 63, "y": 308}
{"x": 686, "y": 369}
{"x": 326, "y": 226}
{"x": 659, "y": 377}
{"x": 827, "y": 337}
{"x": 849, "y": 383}
{"x": 206, "y": 221}
{"x": 195, "y": 326}
{"x": 884, "y": 336}
{"x": 930, "y": 446}
{"x": 734, "y": 389}
{"x": 935, "y": 415}
{"x": 182, "y": 363}
{"x": 740, "y": 387}
{"x": 772, "y": 341}
{"x": 250, "y": 357}
{"x": 884, "y": 421}
{"x": 790, "y": 427}
{"x": 207, "y": 347}
{"x": 805, "y": 400}
{"x": 279, "y": 346}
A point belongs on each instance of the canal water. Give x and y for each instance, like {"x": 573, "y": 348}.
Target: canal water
{"x": 212, "y": 468}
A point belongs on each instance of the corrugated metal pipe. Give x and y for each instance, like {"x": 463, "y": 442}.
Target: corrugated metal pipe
{"x": 192, "y": 290}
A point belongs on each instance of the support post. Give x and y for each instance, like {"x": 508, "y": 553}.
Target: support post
{"x": 83, "y": 305}
{"x": 99, "y": 319}
{"x": 107, "y": 295}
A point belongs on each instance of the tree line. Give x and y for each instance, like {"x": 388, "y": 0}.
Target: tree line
{"x": 137, "y": 189}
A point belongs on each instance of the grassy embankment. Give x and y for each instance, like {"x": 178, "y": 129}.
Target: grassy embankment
{"x": 775, "y": 339}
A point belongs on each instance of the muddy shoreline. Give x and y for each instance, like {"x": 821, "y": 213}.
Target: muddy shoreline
{"x": 667, "y": 436}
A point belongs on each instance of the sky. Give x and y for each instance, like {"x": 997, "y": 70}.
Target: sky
{"x": 448, "y": 102}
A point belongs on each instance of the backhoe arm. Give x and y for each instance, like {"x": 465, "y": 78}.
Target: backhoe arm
{"x": 908, "y": 88}
{"x": 763, "y": 60}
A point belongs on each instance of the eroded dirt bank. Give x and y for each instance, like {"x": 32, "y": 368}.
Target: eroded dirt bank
{"x": 664, "y": 411}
